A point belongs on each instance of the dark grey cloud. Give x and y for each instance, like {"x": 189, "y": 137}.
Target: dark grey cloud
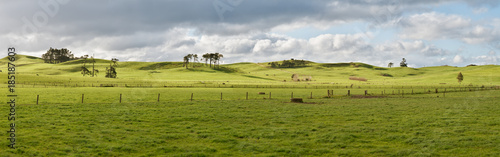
{"x": 159, "y": 30}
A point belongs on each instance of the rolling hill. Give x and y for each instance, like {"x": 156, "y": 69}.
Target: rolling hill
{"x": 33, "y": 69}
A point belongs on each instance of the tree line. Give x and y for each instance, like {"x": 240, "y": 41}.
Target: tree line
{"x": 292, "y": 63}
{"x": 54, "y": 56}
{"x": 209, "y": 58}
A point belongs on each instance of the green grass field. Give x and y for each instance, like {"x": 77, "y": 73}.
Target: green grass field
{"x": 402, "y": 115}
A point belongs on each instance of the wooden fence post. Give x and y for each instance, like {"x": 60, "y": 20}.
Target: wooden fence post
{"x": 120, "y": 98}
{"x": 220, "y": 95}
{"x": 269, "y": 95}
{"x": 366, "y": 92}
{"x": 247, "y": 95}
{"x": 348, "y": 92}
{"x": 191, "y": 96}
{"x": 311, "y": 95}
{"x": 158, "y": 97}
{"x": 292, "y": 95}
{"x": 37, "y": 97}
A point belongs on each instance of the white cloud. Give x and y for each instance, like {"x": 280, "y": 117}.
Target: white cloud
{"x": 458, "y": 59}
{"x": 430, "y": 26}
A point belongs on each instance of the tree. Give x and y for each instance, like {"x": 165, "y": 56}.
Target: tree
{"x": 460, "y": 77}
{"x": 94, "y": 71}
{"x": 206, "y": 57}
{"x": 217, "y": 58}
{"x": 391, "y": 64}
{"x": 84, "y": 69}
{"x": 186, "y": 62}
{"x": 403, "y": 63}
{"x": 195, "y": 59}
{"x": 111, "y": 70}
{"x": 211, "y": 57}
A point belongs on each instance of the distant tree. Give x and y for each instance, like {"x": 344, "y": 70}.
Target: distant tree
{"x": 84, "y": 69}
{"x": 195, "y": 59}
{"x": 94, "y": 70}
{"x": 460, "y": 77}
{"x": 217, "y": 58}
{"x": 186, "y": 62}
{"x": 55, "y": 56}
{"x": 390, "y": 65}
{"x": 111, "y": 70}
{"x": 288, "y": 64}
{"x": 403, "y": 63}
{"x": 274, "y": 64}
{"x": 206, "y": 57}
{"x": 212, "y": 58}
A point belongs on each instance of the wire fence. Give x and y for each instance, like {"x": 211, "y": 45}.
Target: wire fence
{"x": 254, "y": 94}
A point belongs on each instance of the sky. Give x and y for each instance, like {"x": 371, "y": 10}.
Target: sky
{"x": 377, "y": 32}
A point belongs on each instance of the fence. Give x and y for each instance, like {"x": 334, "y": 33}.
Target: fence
{"x": 253, "y": 95}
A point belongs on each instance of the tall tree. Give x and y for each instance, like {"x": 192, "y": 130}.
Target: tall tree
{"x": 195, "y": 59}
{"x": 212, "y": 58}
{"x": 390, "y": 65}
{"x": 187, "y": 58}
{"x": 403, "y": 63}
{"x": 460, "y": 78}
{"x": 84, "y": 69}
{"x": 111, "y": 70}
{"x": 217, "y": 58}
{"x": 206, "y": 57}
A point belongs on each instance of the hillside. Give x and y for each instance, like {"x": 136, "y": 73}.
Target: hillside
{"x": 33, "y": 69}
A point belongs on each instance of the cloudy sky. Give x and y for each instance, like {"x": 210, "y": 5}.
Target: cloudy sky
{"x": 425, "y": 32}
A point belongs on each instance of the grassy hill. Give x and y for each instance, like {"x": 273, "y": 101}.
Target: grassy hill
{"x": 33, "y": 69}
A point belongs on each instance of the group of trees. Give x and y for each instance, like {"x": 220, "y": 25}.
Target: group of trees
{"x": 110, "y": 71}
{"x": 55, "y": 56}
{"x": 188, "y": 58}
{"x": 209, "y": 58}
{"x": 289, "y": 64}
{"x": 212, "y": 58}
{"x": 86, "y": 71}
{"x": 402, "y": 64}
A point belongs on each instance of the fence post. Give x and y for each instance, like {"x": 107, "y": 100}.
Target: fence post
{"x": 348, "y": 92}
{"x": 158, "y": 97}
{"x": 247, "y": 95}
{"x": 220, "y": 95}
{"x": 83, "y": 95}
{"x": 37, "y": 97}
{"x": 120, "y": 98}
{"x": 191, "y": 96}
{"x": 292, "y": 95}
{"x": 311, "y": 95}
{"x": 366, "y": 92}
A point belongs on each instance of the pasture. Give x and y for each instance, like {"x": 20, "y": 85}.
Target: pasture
{"x": 149, "y": 111}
